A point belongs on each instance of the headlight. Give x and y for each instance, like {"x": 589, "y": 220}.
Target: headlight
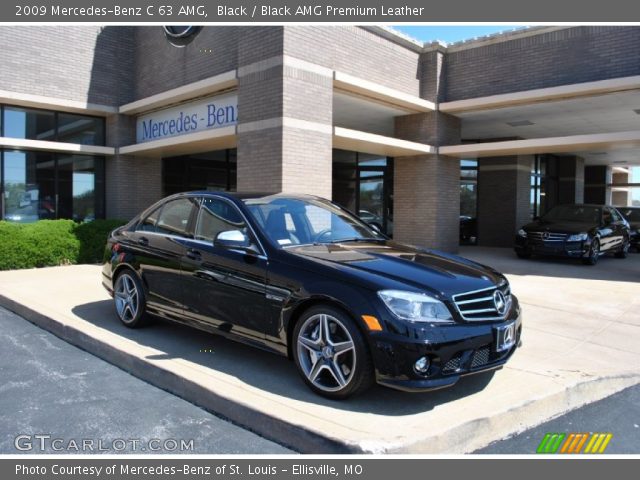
{"x": 578, "y": 237}
{"x": 521, "y": 233}
{"x": 415, "y": 307}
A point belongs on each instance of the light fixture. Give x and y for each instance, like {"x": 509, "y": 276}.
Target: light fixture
{"x": 520, "y": 123}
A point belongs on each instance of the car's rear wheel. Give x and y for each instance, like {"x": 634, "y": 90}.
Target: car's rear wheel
{"x": 623, "y": 251}
{"x": 331, "y": 354}
{"x": 129, "y": 299}
{"x": 594, "y": 253}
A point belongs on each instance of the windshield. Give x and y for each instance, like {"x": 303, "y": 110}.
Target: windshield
{"x": 631, "y": 214}
{"x": 302, "y": 221}
{"x": 574, "y": 213}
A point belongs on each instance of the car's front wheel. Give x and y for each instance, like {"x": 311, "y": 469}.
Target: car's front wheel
{"x": 331, "y": 354}
{"x": 624, "y": 249}
{"x": 594, "y": 253}
{"x": 129, "y": 299}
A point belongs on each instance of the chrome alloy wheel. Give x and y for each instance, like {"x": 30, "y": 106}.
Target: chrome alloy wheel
{"x": 127, "y": 298}
{"x": 326, "y": 352}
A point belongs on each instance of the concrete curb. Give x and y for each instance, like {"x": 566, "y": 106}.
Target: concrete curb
{"x": 466, "y": 437}
{"x": 291, "y": 436}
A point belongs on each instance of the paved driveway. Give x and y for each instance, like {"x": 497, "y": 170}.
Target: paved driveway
{"x": 581, "y": 337}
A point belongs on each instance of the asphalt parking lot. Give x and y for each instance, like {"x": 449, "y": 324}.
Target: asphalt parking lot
{"x": 51, "y": 388}
{"x": 582, "y": 329}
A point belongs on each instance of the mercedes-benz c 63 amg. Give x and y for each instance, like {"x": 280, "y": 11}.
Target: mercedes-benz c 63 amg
{"x": 302, "y": 277}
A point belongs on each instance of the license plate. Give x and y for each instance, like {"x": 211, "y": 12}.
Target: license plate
{"x": 506, "y": 337}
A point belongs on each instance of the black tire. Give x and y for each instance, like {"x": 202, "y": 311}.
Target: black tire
{"x": 313, "y": 353}
{"x": 129, "y": 299}
{"x": 523, "y": 255}
{"x": 594, "y": 253}
{"x": 623, "y": 251}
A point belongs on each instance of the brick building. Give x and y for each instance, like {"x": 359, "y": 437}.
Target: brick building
{"x": 102, "y": 121}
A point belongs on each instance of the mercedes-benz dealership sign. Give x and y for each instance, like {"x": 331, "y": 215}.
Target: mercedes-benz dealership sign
{"x": 203, "y": 114}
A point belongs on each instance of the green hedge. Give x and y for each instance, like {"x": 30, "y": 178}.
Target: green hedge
{"x": 53, "y": 242}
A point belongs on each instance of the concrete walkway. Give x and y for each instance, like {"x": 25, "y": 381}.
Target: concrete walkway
{"x": 581, "y": 344}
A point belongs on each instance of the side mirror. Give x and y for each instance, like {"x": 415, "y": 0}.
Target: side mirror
{"x": 233, "y": 239}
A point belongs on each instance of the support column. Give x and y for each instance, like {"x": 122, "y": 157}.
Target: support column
{"x": 571, "y": 179}
{"x": 427, "y": 187}
{"x": 285, "y": 133}
{"x": 504, "y": 189}
{"x": 132, "y": 183}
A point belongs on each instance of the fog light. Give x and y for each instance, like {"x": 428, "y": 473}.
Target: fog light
{"x": 422, "y": 365}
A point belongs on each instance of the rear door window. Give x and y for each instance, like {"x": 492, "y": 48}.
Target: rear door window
{"x": 174, "y": 217}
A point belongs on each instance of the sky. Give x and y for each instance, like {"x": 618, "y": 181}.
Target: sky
{"x": 450, "y": 34}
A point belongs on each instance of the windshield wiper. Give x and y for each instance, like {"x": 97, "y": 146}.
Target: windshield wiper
{"x": 356, "y": 239}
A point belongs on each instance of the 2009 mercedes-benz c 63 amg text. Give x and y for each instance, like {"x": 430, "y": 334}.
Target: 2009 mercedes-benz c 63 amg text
{"x": 303, "y": 277}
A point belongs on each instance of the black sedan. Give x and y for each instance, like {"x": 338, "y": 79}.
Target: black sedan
{"x": 302, "y": 277}
{"x": 632, "y": 215}
{"x": 577, "y": 231}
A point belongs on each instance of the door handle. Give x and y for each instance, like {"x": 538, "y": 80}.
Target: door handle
{"x": 194, "y": 254}
{"x": 144, "y": 241}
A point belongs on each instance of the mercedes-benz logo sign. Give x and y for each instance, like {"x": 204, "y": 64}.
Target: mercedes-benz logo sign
{"x": 180, "y": 35}
{"x": 500, "y": 302}
{"x": 545, "y": 235}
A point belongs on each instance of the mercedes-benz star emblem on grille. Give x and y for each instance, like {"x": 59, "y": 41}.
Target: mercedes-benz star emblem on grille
{"x": 545, "y": 235}
{"x": 500, "y": 302}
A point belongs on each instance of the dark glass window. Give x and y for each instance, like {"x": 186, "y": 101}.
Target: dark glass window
{"x": 45, "y": 185}
{"x": 80, "y": 187}
{"x": 174, "y": 217}
{"x": 29, "y": 186}
{"x": 29, "y": 123}
{"x": 80, "y": 129}
{"x": 149, "y": 223}
{"x": 215, "y": 170}
{"x": 37, "y": 124}
{"x": 363, "y": 184}
{"x": 468, "y": 201}
{"x": 217, "y": 216}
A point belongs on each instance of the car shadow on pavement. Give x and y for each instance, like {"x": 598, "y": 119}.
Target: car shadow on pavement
{"x": 265, "y": 370}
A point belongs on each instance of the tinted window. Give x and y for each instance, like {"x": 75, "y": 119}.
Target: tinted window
{"x": 616, "y": 216}
{"x": 174, "y": 217}
{"x": 217, "y": 216}
{"x": 149, "y": 223}
{"x": 29, "y": 123}
{"x": 80, "y": 129}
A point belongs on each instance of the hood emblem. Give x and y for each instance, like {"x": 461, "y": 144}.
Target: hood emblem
{"x": 500, "y": 302}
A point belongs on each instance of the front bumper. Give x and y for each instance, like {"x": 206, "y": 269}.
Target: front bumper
{"x": 453, "y": 350}
{"x": 552, "y": 248}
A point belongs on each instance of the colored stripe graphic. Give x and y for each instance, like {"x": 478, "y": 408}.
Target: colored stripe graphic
{"x": 551, "y": 442}
{"x": 572, "y": 443}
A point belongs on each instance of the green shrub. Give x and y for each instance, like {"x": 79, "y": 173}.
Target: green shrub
{"x": 53, "y": 242}
{"x": 93, "y": 237}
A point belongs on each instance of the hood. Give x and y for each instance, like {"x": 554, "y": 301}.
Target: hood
{"x": 433, "y": 271}
{"x": 558, "y": 227}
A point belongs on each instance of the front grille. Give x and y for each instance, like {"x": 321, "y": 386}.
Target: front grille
{"x": 452, "y": 365}
{"x": 541, "y": 237}
{"x": 480, "y": 357}
{"x": 480, "y": 305}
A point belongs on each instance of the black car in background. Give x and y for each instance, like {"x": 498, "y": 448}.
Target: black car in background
{"x": 578, "y": 231}
{"x": 302, "y": 277}
{"x": 632, "y": 215}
